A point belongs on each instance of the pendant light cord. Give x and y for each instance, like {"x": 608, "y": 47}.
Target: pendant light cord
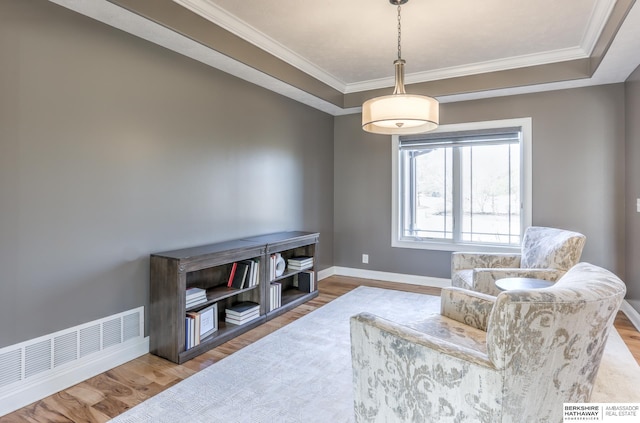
{"x": 399, "y": 34}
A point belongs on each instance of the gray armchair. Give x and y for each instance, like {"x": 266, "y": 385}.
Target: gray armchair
{"x": 516, "y": 357}
{"x": 546, "y": 253}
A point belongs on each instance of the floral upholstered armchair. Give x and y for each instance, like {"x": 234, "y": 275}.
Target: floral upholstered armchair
{"x": 546, "y": 253}
{"x": 516, "y": 357}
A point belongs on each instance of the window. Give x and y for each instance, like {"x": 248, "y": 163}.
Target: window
{"x": 464, "y": 185}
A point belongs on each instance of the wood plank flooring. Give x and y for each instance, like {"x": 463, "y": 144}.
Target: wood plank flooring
{"x": 111, "y": 393}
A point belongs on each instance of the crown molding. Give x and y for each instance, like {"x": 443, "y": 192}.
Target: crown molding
{"x": 214, "y": 13}
{"x": 555, "y": 56}
{"x": 597, "y": 22}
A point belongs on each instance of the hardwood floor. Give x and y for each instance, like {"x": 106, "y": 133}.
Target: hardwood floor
{"x": 111, "y": 393}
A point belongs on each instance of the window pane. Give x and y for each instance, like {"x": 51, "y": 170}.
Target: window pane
{"x": 490, "y": 176}
{"x": 433, "y": 217}
{"x": 516, "y": 199}
{"x": 462, "y": 184}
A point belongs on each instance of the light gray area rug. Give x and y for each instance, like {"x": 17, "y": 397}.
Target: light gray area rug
{"x": 302, "y": 372}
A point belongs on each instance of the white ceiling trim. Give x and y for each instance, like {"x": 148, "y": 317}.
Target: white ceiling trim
{"x": 214, "y": 13}
{"x": 614, "y": 68}
{"x": 224, "y": 19}
{"x": 595, "y": 26}
{"x": 561, "y": 55}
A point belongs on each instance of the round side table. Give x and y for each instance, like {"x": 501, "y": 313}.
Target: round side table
{"x": 507, "y": 284}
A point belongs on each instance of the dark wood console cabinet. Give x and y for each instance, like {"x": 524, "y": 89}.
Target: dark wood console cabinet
{"x": 209, "y": 267}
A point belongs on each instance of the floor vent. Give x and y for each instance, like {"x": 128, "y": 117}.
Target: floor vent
{"x": 111, "y": 332}
{"x": 37, "y": 358}
{"x": 47, "y": 364}
{"x": 10, "y": 367}
{"x": 89, "y": 340}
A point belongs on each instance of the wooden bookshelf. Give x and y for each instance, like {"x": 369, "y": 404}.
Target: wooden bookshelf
{"x": 289, "y": 244}
{"x": 209, "y": 267}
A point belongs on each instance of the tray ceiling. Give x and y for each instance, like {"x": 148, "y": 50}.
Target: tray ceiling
{"x": 333, "y": 54}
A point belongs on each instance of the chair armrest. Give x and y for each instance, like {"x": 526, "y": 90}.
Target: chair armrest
{"x": 400, "y": 374}
{"x": 460, "y": 260}
{"x": 484, "y": 280}
{"x": 393, "y": 332}
{"x": 468, "y": 307}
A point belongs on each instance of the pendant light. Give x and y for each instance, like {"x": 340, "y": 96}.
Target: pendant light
{"x": 400, "y": 113}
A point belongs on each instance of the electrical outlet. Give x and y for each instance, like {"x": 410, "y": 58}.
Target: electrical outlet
{"x": 365, "y": 258}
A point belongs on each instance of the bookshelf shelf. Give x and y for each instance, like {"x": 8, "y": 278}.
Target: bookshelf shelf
{"x": 210, "y": 267}
{"x": 291, "y": 295}
{"x": 220, "y": 293}
{"x": 289, "y": 273}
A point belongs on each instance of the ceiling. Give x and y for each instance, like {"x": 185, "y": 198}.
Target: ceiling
{"x": 353, "y": 43}
{"x": 334, "y": 54}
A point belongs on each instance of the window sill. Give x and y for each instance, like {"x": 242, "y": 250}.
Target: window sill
{"x": 451, "y": 246}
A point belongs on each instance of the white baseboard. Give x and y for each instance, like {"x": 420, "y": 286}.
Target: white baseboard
{"x": 384, "y": 276}
{"x": 632, "y": 312}
{"x": 323, "y": 274}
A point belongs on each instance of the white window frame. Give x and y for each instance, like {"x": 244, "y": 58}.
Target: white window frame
{"x": 526, "y": 176}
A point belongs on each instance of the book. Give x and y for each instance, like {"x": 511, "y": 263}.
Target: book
{"x": 196, "y": 302}
{"x": 251, "y": 276}
{"x": 241, "y": 322}
{"x": 238, "y": 323}
{"x": 300, "y": 262}
{"x": 196, "y": 299}
{"x": 195, "y": 293}
{"x": 306, "y": 281}
{"x": 277, "y": 266}
{"x": 195, "y": 296}
{"x": 187, "y": 319}
{"x": 240, "y": 274}
{"x": 272, "y": 266}
{"x": 189, "y": 332}
{"x": 232, "y": 274}
{"x": 248, "y": 316}
{"x": 195, "y": 331}
{"x": 242, "y": 308}
{"x": 275, "y": 291}
{"x": 255, "y": 273}
{"x": 235, "y": 321}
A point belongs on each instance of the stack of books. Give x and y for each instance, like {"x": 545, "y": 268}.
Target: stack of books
{"x": 300, "y": 262}
{"x": 241, "y": 313}
{"x": 195, "y": 296}
{"x": 275, "y": 292}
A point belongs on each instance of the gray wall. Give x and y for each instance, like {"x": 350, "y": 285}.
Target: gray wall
{"x": 632, "y": 109}
{"x": 578, "y": 177}
{"x": 112, "y": 148}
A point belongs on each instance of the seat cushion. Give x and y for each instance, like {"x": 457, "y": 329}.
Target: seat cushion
{"x": 452, "y": 331}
